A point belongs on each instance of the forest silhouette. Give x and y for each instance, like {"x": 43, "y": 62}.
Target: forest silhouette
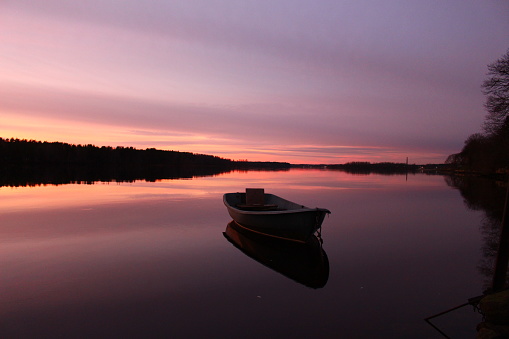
{"x": 488, "y": 151}
{"x": 30, "y": 162}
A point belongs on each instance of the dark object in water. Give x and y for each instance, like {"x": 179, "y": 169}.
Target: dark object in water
{"x": 274, "y": 216}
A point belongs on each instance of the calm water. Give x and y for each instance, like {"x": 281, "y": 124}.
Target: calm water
{"x": 149, "y": 259}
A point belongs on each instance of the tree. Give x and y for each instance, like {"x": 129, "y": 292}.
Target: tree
{"x": 496, "y": 88}
{"x": 474, "y": 154}
{"x": 489, "y": 152}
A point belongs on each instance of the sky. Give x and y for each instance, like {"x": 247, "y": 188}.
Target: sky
{"x": 300, "y": 81}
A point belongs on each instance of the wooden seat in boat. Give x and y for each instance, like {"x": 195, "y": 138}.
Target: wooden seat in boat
{"x": 255, "y": 201}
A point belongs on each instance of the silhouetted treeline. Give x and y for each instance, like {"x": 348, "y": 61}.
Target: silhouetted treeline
{"x": 30, "y": 162}
{"x": 483, "y": 153}
{"x": 361, "y": 167}
{"x": 31, "y": 152}
{"x": 262, "y": 165}
{"x": 384, "y": 168}
{"x": 488, "y": 152}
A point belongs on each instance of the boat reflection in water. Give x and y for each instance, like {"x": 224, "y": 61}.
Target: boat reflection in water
{"x": 306, "y": 263}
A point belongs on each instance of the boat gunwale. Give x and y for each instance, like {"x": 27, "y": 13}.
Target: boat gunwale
{"x": 303, "y": 208}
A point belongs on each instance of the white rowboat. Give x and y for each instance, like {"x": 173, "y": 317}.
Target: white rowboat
{"x": 274, "y": 216}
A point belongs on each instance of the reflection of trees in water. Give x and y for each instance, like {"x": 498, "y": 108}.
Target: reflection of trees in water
{"x": 487, "y": 195}
{"x": 57, "y": 175}
{"x": 490, "y": 229}
{"x": 30, "y": 162}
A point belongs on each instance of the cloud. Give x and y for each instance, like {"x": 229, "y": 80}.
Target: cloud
{"x": 262, "y": 124}
{"x": 274, "y": 77}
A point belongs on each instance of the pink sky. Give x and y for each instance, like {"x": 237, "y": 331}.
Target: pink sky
{"x": 315, "y": 81}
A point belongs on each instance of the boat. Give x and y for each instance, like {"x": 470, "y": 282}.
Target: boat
{"x": 304, "y": 263}
{"x": 274, "y": 216}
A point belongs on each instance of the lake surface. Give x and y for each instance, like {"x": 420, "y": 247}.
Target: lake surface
{"x": 149, "y": 259}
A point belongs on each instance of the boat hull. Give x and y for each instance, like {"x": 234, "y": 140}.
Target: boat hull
{"x": 290, "y": 221}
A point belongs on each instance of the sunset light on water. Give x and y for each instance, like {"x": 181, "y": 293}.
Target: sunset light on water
{"x": 129, "y": 256}
{"x": 254, "y": 169}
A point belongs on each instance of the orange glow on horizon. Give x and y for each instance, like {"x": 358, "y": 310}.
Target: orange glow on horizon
{"x": 26, "y": 126}
{"x": 176, "y": 78}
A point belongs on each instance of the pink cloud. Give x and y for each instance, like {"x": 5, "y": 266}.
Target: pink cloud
{"x": 351, "y": 79}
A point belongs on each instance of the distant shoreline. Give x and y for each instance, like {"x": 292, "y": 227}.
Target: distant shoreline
{"x": 32, "y": 152}
{"x": 30, "y": 162}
